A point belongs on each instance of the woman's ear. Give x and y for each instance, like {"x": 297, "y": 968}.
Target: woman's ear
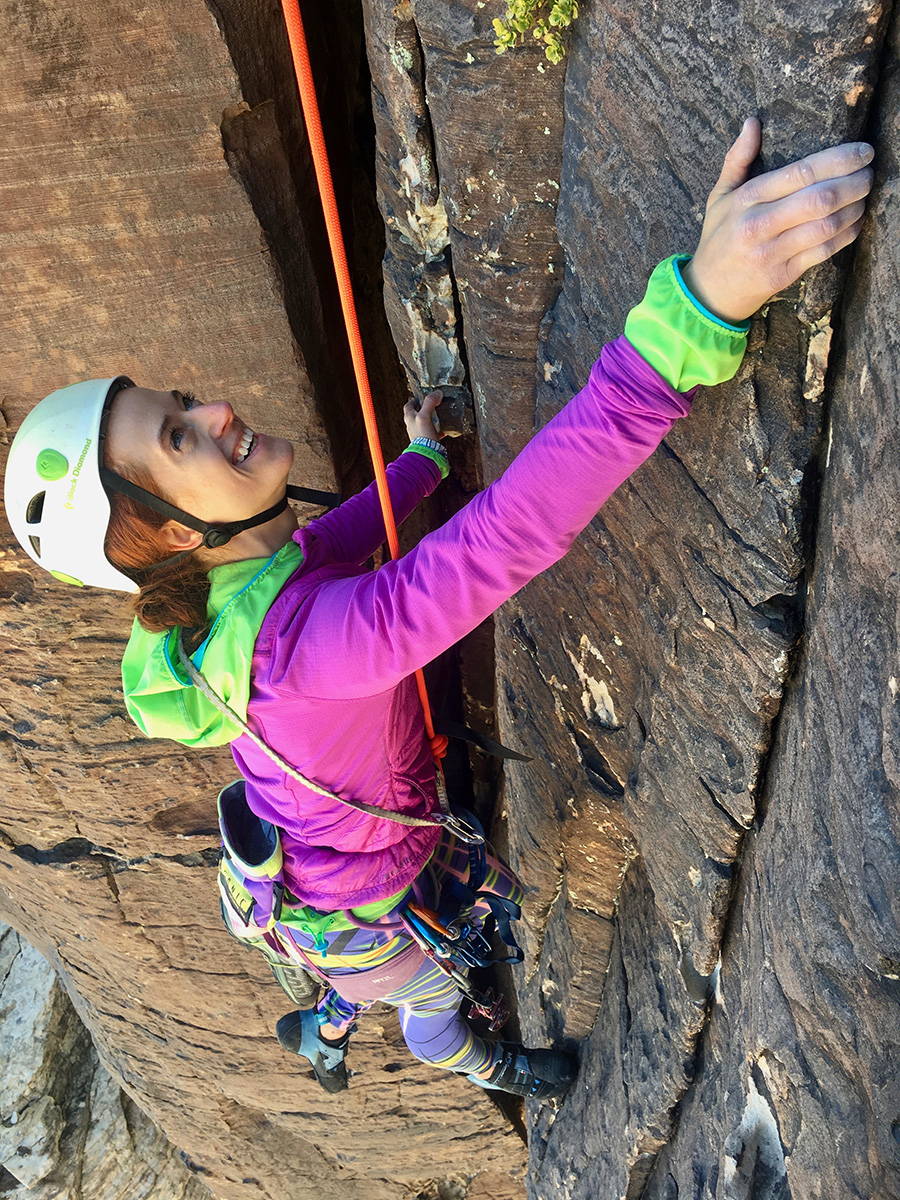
{"x": 179, "y": 537}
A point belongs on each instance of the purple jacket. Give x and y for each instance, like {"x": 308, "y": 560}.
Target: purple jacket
{"x": 332, "y": 687}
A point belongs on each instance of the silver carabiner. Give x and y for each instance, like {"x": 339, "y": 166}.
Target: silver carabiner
{"x": 460, "y": 829}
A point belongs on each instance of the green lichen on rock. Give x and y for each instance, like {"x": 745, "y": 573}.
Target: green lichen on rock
{"x": 524, "y": 15}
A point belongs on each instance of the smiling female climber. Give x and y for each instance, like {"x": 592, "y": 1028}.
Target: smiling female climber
{"x": 314, "y": 652}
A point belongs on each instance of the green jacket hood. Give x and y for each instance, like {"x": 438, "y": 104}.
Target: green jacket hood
{"x": 161, "y": 700}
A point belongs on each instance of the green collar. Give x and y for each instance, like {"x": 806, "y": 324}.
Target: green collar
{"x": 160, "y": 700}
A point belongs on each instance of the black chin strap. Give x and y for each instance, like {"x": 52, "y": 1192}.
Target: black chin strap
{"x": 215, "y": 534}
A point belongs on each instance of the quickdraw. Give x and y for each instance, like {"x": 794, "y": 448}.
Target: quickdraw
{"x": 489, "y": 1004}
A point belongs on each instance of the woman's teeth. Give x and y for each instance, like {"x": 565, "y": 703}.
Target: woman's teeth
{"x": 246, "y": 444}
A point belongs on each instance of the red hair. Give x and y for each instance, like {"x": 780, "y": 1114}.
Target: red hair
{"x": 170, "y": 596}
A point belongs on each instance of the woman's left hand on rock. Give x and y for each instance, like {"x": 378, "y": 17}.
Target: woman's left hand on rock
{"x": 422, "y": 422}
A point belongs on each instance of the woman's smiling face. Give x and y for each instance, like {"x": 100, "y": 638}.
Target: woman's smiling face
{"x": 197, "y": 454}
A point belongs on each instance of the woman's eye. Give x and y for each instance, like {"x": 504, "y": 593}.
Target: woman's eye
{"x": 188, "y": 401}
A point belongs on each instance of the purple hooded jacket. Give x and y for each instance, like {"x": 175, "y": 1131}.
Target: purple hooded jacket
{"x": 332, "y": 690}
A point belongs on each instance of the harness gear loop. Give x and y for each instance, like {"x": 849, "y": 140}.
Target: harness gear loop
{"x": 307, "y": 88}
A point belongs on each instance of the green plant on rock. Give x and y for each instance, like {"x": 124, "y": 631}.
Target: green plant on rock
{"x": 524, "y": 15}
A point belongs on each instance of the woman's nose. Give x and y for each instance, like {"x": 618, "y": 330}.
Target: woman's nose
{"x": 216, "y": 416}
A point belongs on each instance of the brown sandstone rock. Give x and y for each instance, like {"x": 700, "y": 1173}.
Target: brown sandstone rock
{"x": 682, "y": 806}
{"x": 134, "y": 248}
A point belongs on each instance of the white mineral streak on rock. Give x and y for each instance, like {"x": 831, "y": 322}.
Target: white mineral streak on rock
{"x": 436, "y": 358}
{"x": 410, "y": 174}
{"x": 892, "y": 684}
{"x": 715, "y": 979}
{"x": 561, "y": 715}
{"x": 480, "y": 400}
{"x": 817, "y": 357}
{"x": 753, "y": 1153}
{"x": 595, "y": 696}
{"x": 591, "y": 649}
{"x": 428, "y": 227}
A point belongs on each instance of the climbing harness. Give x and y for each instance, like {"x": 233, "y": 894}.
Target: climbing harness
{"x": 259, "y": 910}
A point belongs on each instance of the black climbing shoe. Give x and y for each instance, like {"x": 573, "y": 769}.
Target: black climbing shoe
{"x": 298, "y": 1033}
{"x": 538, "y": 1074}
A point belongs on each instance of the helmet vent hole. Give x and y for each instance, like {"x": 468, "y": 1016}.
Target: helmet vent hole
{"x": 35, "y": 508}
{"x": 35, "y": 544}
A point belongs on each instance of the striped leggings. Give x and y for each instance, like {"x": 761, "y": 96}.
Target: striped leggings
{"x": 428, "y": 1003}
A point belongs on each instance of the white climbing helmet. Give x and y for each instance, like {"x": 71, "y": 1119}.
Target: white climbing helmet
{"x": 54, "y": 496}
{"x": 56, "y": 490}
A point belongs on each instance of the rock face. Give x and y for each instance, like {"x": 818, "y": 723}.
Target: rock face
{"x": 706, "y": 823}
{"x": 68, "y": 1131}
{"x": 707, "y": 683}
{"x": 136, "y": 249}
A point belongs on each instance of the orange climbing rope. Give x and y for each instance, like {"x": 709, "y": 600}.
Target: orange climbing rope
{"x": 306, "y": 85}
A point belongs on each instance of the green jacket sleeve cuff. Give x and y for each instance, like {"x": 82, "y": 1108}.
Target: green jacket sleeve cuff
{"x": 437, "y": 456}
{"x": 678, "y": 337}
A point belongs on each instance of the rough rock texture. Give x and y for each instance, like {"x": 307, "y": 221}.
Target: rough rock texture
{"x": 800, "y": 1088}
{"x": 707, "y": 683}
{"x": 67, "y": 1130}
{"x": 649, "y": 672}
{"x": 134, "y": 242}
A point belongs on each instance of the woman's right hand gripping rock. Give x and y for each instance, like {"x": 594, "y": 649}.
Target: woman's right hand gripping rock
{"x": 760, "y": 235}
